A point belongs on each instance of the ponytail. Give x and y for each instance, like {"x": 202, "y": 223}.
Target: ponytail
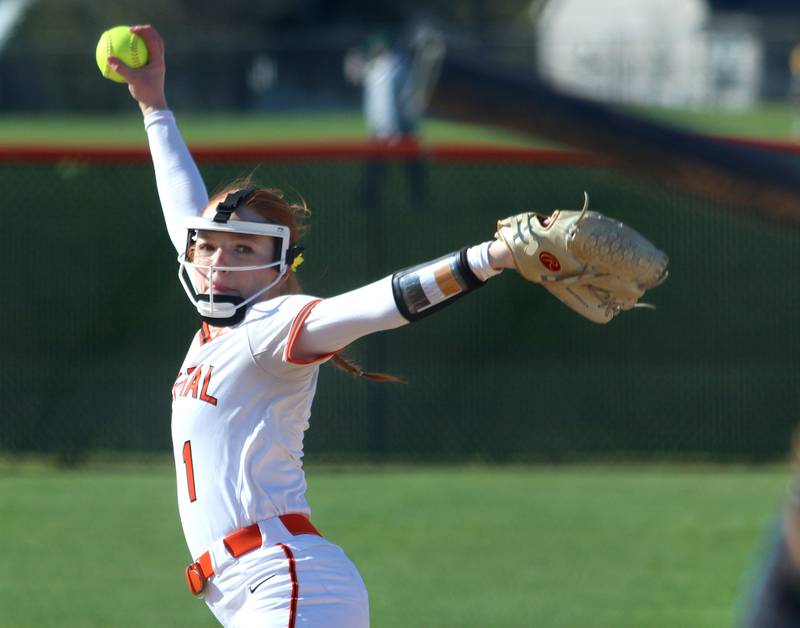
{"x": 346, "y": 365}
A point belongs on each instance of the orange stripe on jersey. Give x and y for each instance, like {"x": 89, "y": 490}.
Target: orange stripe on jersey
{"x": 301, "y": 316}
{"x": 205, "y": 333}
{"x": 294, "y": 332}
{"x": 447, "y": 283}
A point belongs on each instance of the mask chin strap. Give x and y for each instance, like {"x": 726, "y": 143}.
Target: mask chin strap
{"x": 221, "y": 310}
{"x": 224, "y": 312}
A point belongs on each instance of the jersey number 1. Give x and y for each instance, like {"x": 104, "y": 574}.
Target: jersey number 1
{"x": 187, "y": 461}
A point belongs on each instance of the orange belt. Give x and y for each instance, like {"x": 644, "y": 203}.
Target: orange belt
{"x": 241, "y": 542}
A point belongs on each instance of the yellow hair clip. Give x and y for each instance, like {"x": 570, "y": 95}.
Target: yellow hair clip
{"x": 297, "y": 261}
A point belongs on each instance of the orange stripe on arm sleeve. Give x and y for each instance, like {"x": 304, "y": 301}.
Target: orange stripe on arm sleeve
{"x": 294, "y": 354}
{"x": 330, "y": 325}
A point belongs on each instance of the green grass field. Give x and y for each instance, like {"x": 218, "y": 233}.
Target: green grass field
{"x": 228, "y": 129}
{"x": 777, "y": 121}
{"x": 606, "y": 547}
{"x": 769, "y": 121}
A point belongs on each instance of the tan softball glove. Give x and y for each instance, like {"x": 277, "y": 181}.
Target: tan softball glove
{"x": 596, "y": 265}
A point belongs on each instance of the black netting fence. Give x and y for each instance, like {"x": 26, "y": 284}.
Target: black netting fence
{"x": 96, "y": 325}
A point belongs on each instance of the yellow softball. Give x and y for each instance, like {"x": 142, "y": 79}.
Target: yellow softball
{"x": 120, "y": 42}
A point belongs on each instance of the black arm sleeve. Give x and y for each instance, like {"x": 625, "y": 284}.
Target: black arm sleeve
{"x": 427, "y": 288}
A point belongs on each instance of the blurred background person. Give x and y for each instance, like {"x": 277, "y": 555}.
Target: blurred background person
{"x": 794, "y": 88}
{"x": 385, "y": 73}
{"x": 773, "y": 584}
{"x": 397, "y": 82}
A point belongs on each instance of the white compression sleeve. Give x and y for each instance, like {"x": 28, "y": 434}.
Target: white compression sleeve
{"x": 180, "y": 186}
{"x": 340, "y": 320}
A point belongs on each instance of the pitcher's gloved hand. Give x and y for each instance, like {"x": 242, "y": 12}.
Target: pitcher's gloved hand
{"x": 596, "y": 265}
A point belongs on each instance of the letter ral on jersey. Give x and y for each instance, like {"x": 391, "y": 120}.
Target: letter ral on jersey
{"x": 194, "y": 383}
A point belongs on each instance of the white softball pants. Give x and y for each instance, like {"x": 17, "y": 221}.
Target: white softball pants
{"x": 300, "y": 581}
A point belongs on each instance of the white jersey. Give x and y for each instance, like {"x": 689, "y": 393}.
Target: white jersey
{"x": 240, "y": 407}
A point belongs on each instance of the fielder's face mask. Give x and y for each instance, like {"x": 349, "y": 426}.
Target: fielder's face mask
{"x": 223, "y": 310}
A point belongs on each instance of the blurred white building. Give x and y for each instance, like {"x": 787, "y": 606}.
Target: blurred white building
{"x": 670, "y": 53}
{"x": 11, "y": 13}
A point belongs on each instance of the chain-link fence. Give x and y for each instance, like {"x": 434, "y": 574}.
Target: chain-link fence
{"x": 96, "y": 324}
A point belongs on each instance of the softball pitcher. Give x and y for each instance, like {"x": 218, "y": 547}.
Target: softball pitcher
{"x": 242, "y": 398}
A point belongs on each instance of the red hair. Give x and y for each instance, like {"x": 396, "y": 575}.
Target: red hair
{"x": 272, "y": 206}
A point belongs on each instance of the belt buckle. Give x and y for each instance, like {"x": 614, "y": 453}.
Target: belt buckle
{"x": 196, "y": 579}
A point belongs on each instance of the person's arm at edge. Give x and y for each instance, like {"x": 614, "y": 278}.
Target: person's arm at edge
{"x": 180, "y": 186}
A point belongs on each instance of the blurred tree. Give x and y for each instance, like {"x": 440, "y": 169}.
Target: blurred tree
{"x": 69, "y": 22}
{"x": 471, "y": 16}
{"x": 786, "y": 7}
